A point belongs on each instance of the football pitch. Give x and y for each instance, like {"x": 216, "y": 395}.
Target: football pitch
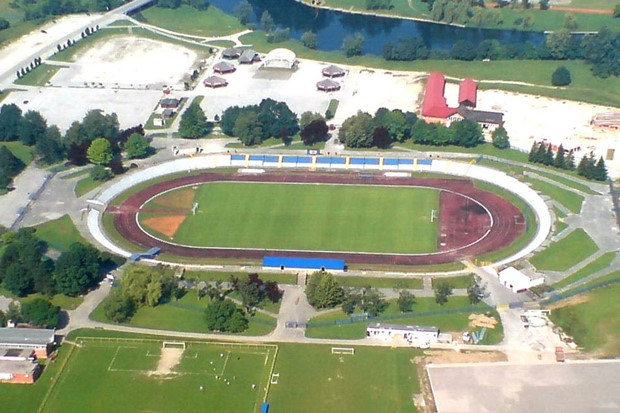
{"x": 135, "y": 375}
{"x": 315, "y": 217}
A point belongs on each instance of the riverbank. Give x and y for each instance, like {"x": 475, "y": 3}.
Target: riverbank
{"x": 511, "y": 19}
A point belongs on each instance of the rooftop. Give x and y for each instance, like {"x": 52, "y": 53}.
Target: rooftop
{"x": 18, "y": 367}
{"x": 34, "y": 336}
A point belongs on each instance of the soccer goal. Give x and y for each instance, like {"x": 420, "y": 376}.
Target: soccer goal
{"x": 343, "y": 350}
{"x": 173, "y": 344}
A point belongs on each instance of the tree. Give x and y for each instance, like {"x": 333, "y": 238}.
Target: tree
{"x": 229, "y": 117}
{"x": 10, "y": 166}
{"x": 267, "y": 22}
{"x": 561, "y": 77}
{"x": 356, "y": 131}
{"x": 248, "y": 128}
{"x": 617, "y": 11}
{"x": 3, "y": 319}
{"x": 323, "y": 291}
{"x": 10, "y": 121}
{"x": 405, "y": 301}
{"x": 17, "y": 280}
{"x": 442, "y": 291}
{"x": 314, "y": 132}
{"x": 600, "y": 170}
{"x": 193, "y": 122}
{"x": 147, "y": 286}
{"x": 137, "y": 146}
{"x": 49, "y": 146}
{"x": 603, "y": 52}
{"x": 378, "y": 4}
{"x": 13, "y": 313}
{"x": 100, "y": 152}
{"x": 500, "y": 138}
{"x": 41, "y": 313}
{"x": 560, "y": 160}
{"x": 467, "y": 133}
{"x": 544, "y": 4}
{"x": 309, "y": 39}
{"x": 223, "y": 315}
{"x": 97, "y": 125}
{"x": 381, "y": 138}
{"x": 118, "y": 307}
{"x": 570, "y": 22}
{"x": 463, "y": 50}
{"x": 307, "y": 117}
{"x": 250, "y": 291}
{"x": 4, "y": 24}
{"x": 244, "y": 12}
{"x": 32, "y": 128}
{"x": 77, "y": 269}
{"x": 100, "y": 173}
{"x": 352, "y": 45}
{"x": 277, "y": 119}
{"x": 476, "y": 291}
{"x": 372, "y": 302}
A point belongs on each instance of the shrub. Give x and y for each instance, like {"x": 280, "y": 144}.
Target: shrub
{"x": 561, "y": 77}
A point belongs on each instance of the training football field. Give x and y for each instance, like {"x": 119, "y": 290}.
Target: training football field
{"x": 127, "y": 375}
{"x": 317, "y": 217}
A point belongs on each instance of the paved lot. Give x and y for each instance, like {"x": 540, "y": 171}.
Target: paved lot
{"x": 504, "y": 388}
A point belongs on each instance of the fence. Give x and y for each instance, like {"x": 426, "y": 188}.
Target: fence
{"x": 580, "y": 290}
{"x": 389, "y": 317}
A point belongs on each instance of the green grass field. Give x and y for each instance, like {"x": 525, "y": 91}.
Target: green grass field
{"x": 118, "y": 375}
{"x": 39, "y": 76}
{"x": 565, "y": 253}
{"x": 569, "y": 199}
{"x": 599, "y": 264}
{"x": 311, "y": 217}
{"x": 462, "y": 281}
{"x": 59, "y": 233}
{"x": 379, "y": 282}
{"x": 21, "y": 151}
{"x": 85, "y": 185}
{"x": 185, "y": 19}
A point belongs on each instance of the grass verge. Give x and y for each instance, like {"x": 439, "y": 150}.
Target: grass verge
{"x": 567, "y": 252}
{"x": 60, "y": 233}
{"x": 39, "y": 76}
{"x": 597, "y": 265}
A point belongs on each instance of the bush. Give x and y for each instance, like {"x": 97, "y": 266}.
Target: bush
{"x": 100, "y": 173}
{"x": 561, "y": 77}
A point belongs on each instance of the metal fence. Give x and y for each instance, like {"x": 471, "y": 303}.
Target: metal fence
{"x": 561, "y": 296}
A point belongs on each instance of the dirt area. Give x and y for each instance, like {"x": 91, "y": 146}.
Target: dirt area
{"x": 481, "y": 320}
{"x": 569, "y": 302}
{"x": 167, "y": 225}
{"x": 129, "y": 60}
{"x": 182, "y": 198}
{"x": 450, "y": 357}
{"x": 533, "y": 118}
{"x": 170, "y": 357}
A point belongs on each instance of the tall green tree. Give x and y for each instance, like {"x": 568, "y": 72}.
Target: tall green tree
{"x": 443, "y": 290}
{"x": 100, "y": 152}
{"x": 225, "y": 316}
{"x": 77, "y": 269}
{"x": 49, "y": 146}
{"x": 118, "y": 307}
{"x": 500, "y": 138}
{"x": 32, "y": 128}
{"x": 137, "y": 146}
{"x": 357, "y": 131}
{"x": 561, "y": 77}
{"x": 309, "y": 39}
{"x": 267, "y": 22}
{"x": 193, "y": 122}
{"x": 324, "y": 291}
{"x": 10, "y": 121}
{"x": 40, "y": 312}
{"x": 352, "y": 45}
{"x": 405, "y": 301}
{"x": 10, "y": 166}
{"x": 467, "y": 133}
{"x": 248, "y": 128}
{"x": 560, "y": 160}
{"x": 244, "y": 12}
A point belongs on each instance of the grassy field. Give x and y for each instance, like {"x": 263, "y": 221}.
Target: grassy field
{"x": 484, "y": 149}
{"x": 374, "y": 282}
{"x": 187, "y": 315}
{"x": 59, "y": 233}
{"x": 15, "y": 17}
{"x": 21, "y": 151}
{"x": 211, "y": 22}
{"x": 462, "y": 281}
{"x": 311, "y": 217}
{"x": 100, "y": 373}
{"x": 594, "y": 321}
{"x": 39, "y": 76}
{"x": 597, "y": 265}
{"x": 209, "y": 276}
{"x": 569, "y": 199}
{"x": 63, "y": 301}
{"x": 323, "y": 327}
{"x": 536, "y": 74}
{"x": 565, "y": 253}
{"x": 85, "y": 185}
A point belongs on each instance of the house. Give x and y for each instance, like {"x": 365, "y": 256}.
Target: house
{"x": 169, "y": 103}
{"x": 327, "y": 85}
{"x": 38, "y": 340}
{"x": 489, "y": 121}
{"x": 418, "y": 336}
{"x": 249, "y": 56}
{"x": 25, "y": 372}
{"x": 435, "y": 107}
{"x": 519, "y": 281}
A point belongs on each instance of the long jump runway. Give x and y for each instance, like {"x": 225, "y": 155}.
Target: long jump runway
{"x": 462, "y": 219}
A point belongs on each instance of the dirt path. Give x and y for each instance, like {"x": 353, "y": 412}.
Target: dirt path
{"x": 580, "y": 10}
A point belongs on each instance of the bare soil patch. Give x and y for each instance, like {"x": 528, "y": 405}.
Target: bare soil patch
{"x": 170, "y": 357}
{"x": 167, "y": 225}
{"x": 571, "y": 301}
{"x": 449, "y": 356}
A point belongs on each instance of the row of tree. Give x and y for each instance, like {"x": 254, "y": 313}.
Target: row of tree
{"x": 589, "y": 167}
{"x": 38, "y": 312}
{"x": 24, "y": 269}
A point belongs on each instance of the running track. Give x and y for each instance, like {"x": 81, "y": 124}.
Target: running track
{"x": 461, "y": 221}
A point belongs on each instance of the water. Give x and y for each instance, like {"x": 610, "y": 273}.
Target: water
{"x": 332, "y": 27}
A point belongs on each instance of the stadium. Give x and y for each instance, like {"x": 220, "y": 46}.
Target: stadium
{"x": 389, "y": 211}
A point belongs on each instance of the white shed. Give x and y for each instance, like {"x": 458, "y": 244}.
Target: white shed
{"x": 419, "y": 336}
{"x": 519, "y": 281}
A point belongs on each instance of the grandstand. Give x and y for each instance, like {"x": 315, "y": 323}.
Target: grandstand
{"x": 321, "y": 264}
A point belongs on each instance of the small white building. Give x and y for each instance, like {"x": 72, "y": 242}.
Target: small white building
{"x": 519, "y": 281}
{"x": 419, "y": 336}
{"x": 280, "y": 59}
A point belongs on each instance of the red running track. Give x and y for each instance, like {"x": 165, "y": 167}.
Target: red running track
{"x": 461, "y": 220}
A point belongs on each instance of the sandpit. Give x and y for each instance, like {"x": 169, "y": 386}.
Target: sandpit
{"x": 167, "y": 225}
{"x": 169, "y": 358}
{"x": 126, "y": 59}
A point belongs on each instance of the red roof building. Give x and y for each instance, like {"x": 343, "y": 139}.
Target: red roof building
{"x": 467, "y": 93}
{"x": 434, "y": 105}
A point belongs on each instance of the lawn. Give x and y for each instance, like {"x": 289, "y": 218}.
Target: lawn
{"x": 39, "y": 76}
{"x": 425, "y": 312}
{"x": 109, "y": 375}
{"x": 187, "y": 315}
{"x": 599, "y": 264}
{"x": 211, "y": 22}
{"x": 462, "y": 281}
{"x": 484, "y": 149}
{"x": 63, "y": 301}
{"x": 209, "y": 276}
{"x": 594, "y": 324}
{"x": 565, "y": 253}
{"x": 569, "y": 199}
{"x": 314, "y": 380}
{"x": 380, "y": 282}
{"x": 85, "y": 185}
{"x": 311, "y": 217}
{"x": 60, "y": 233}
{"x": 21, "y": 151}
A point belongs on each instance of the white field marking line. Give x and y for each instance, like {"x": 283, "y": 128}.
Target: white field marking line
{"x": 225, "y": 363}
{"x": 118, "y": 348}
{"x": 321, "y": 251}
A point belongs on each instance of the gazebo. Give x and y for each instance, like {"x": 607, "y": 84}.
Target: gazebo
{"x": 249, "y": 56}
{"x": 280, "y": 59}
{"x": 327, "y": 85}
{"x": 214, "y": 82}
{"x": 224, "y": 67}
{"x": 232, "y": 53}
{"x": 332, "y": 71}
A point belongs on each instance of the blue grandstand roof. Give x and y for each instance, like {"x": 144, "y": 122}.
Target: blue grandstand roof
{"x": 237, "y": 157}
{"x": 300, "y": 262}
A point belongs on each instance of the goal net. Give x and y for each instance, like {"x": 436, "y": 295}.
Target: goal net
{"x": 343, "y": 350}
{"x": 173, "y": 344}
